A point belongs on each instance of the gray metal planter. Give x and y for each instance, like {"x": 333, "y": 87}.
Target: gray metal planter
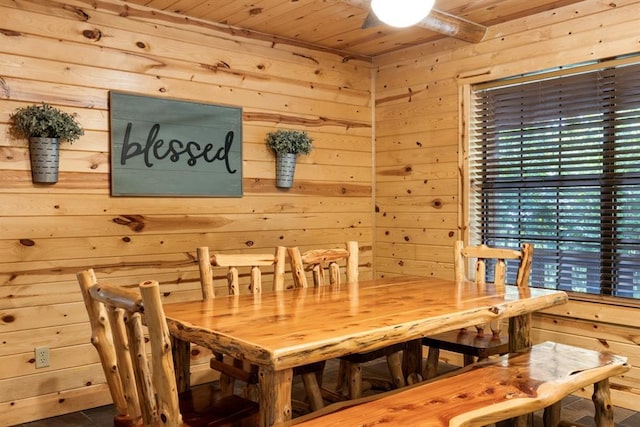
{"x": 44, "y": 154}
{"x": 285, "y": 168}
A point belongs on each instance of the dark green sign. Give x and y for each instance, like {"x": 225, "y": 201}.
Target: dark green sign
{"x": 165, "y": 147}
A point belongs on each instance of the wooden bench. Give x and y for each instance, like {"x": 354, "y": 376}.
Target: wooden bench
{"x": 487, "y": 392}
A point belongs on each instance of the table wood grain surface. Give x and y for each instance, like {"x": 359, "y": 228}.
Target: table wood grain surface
{"x": 281, "y": 330}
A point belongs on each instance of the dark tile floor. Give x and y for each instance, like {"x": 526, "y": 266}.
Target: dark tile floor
{"x": 574, "y": 409}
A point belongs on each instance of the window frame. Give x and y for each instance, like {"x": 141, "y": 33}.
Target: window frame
{"x": 465, "y": 189}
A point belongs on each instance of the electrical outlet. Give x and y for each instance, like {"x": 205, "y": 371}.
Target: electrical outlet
{"x": 42, "y": 357}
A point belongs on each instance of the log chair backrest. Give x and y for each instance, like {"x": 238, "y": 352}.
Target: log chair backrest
{"x": 117, "y": 366}
{"x": 321, "y": 261}
{"x": 153, "y": 384}
{"x": 463, "y": 255}
{"x": 482, "y": 253}
{"x": 255, "y": 262}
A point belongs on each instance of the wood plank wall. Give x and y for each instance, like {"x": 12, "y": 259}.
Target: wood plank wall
{"x": 71, "y": 54}
{"x": 419, "y": 94}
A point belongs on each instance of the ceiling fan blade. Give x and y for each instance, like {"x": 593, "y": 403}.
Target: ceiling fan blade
{"x": 370, "y": 21}
{"x": 438, "y": 21}
{"x": 453, "y": 26}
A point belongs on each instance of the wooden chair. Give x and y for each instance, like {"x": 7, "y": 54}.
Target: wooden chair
{"x": 142, "y": 398}
{"x": 237, "y": 369}
{"x": 477, "y": 343}
{"x": 323, "y": 264}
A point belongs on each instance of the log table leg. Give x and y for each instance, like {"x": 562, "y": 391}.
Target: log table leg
{"x": 520, "y": 339}
{"x": 519, "y": 333}
{"x": 275, "y": 396}
{"x": 602, "y": 401}
{"x": 181, "y": 363}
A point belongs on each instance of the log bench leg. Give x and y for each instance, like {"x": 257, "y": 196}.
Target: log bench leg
{"x": 603, "y": 406}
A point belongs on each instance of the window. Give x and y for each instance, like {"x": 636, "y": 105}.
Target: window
{"x": 554, "y": 160}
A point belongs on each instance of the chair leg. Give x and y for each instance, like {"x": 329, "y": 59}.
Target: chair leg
{"x": 312, "y": 388}
{"x": 123, "y": 421}
{"x": 227, "y": 382}
{"x": 431, "y": 367}
{"x": 552, "y": 415}
{"x": 412, "y": 361}
{"x": 342, "y": 384}
{"x": 467, "y": 359}
{"x": 320, "y": 374}
{"x": 354, "y": 374}
{"x": 251, "y": 392}
{"x": 521, "y": 421}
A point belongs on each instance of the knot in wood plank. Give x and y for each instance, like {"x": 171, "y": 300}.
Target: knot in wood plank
{"x": 94, "y": 34}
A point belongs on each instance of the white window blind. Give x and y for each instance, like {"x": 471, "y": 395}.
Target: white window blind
{"x": 556, "y": 162}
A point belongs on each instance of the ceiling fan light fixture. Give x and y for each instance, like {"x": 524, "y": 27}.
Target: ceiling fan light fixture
{"x": 401, "y": 13}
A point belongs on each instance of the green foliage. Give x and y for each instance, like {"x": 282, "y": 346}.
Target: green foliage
{"x": 45, "y": 121}
{"x": 289, "y": 141}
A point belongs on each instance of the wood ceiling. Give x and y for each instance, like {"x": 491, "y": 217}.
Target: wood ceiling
{"x": 336, "y": 24}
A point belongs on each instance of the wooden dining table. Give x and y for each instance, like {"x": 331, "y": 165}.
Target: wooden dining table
{"x": 283, "y": 329}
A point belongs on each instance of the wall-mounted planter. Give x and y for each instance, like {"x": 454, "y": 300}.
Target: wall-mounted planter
{"x": 286, "y": 144}
{"x": 45, "y": 127}
{"x": 285, "y": 169}
{"x": 44, "y": 154}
